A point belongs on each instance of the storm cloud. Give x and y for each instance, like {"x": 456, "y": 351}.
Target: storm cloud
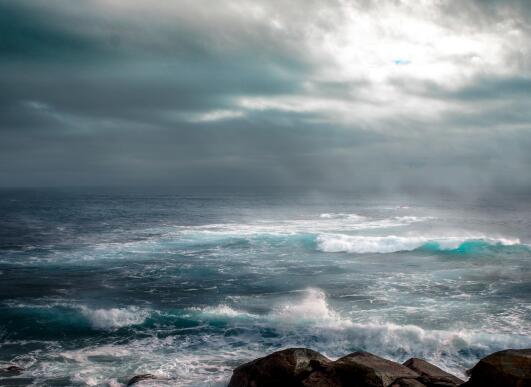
{"x": 374, "y": 96}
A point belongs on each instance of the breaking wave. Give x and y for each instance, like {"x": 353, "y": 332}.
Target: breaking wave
{"x": 70, "y": 315}
{"x": 114, "y": 317}
{"x": 311, "y": 309}
{"x": 305, "y": 318}
{"x": 222, "y": 310}
{"x": 335, "y": 243}
{"x": 342, "y": 216}
{"x": 311, "y": 320}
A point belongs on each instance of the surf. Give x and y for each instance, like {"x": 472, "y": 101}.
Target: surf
{"x": 337, "y": 243}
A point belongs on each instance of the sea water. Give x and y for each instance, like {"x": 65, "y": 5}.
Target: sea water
{"x": 97, "y": 287}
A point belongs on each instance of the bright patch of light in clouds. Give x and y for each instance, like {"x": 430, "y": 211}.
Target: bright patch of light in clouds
{"x": 367, "y": 41}
{"x": 215, "y": 115}
{"x": 376, "y": 94}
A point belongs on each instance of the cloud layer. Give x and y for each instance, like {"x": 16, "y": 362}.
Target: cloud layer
{"x": 373, "y": 96}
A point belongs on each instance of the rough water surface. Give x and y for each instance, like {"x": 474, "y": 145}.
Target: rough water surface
{"x": 95, "y": 288}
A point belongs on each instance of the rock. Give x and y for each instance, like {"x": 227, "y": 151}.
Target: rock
{"x": 368, "y": 370}
{"x": 407, "y": 383}
{"x": 300, "y": 367}
{"x": 139, "y": 378}
{"x": 431, "y": 375}
{"x": 321, "y": 379}
{"x": 283, "y": 368}
{"x": 11, "y": 370}
{"x": 509, "y": 368}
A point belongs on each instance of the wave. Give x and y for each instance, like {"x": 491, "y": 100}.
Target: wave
{"x": 222, "y": 310}
{"x": 309, "y": 320}
{"x": 76, "y": 316}
{"x": 342, "y": 215}
{"x": 311, "y": 309}
{"x": 325, "y": 222}
{"x": 213, "y": 349}
{"x": 114, "y": 318}
{"x": 336, "y": 243}
{"x": 196, "y": 361}
{"x": 167, "y": 239}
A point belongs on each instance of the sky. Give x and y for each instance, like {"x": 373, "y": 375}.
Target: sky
{"x": 375, "y": 96}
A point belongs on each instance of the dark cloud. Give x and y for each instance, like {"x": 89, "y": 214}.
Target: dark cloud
{"x": 28, "y": 33}
{"x": 260, "y": 94}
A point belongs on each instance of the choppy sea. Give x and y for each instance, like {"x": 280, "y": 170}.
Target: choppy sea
{"x": 97, "y": 287}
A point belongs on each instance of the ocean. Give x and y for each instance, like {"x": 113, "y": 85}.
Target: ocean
{"x": 96, "y": 287}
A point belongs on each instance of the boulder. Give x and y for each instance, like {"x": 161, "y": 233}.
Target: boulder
{"x": 431, "y": 375}
{"x": 283, "y": 368}
{"x": 509, "y": 368}
{"x": 300, "y": 367}
{"x": 322, "y": 378}
{"x": 139, "y": 378}
{"x": 367, "y": 370}
{"x": 405, "y": 382}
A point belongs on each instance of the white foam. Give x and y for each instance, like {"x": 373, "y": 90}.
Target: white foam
{"x": 334, "y": 243}
{"x": 341, "y": 215}
{"x": 327, "y": 222}
{"x": 166, "y": 239}
{"x": 305, "y": 319}
{"x": 312, "y": 309}
{"x": 223, "y": 310}
{"x": 440, "y": 346}
{"x": 114, "y": 317}
{"x": 111, "y": 318}
{"x": 191, "y": 361}
{"x": 309, "y": 320}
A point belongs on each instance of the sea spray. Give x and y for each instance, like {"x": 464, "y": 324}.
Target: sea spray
{"x": 334, "y": 243}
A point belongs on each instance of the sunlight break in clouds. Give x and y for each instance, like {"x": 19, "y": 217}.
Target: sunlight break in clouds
{"x": 372, "y": 95}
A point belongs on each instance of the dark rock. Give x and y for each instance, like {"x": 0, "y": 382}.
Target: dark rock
{"x": 509, "y": 368}
{"x": 284, "y": 368}
{"x": 11, "y": 370}
{"x": 300, "y": 367}
{"x": 407, "y": 383}
{"x": 431, "y": 375}
{"x": 139, "y": 378}
{"x": 368, "y": 370}
{"x": 321, "y": 379}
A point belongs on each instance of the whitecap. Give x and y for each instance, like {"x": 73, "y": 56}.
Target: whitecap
{"x": 222, "y": 310}
{"x": 312, "y": 309}
{"x": 309, "y": 320}
{"x": 342, "y": 215}
{"x": 334, "y": 243}
{"x": 114, "y": 317}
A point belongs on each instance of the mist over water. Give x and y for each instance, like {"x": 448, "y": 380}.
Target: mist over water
{"x": 247, "y": 176}
{"x": 95, "y": 288}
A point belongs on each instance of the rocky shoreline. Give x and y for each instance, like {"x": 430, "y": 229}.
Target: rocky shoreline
{"x": 302, "y": 367}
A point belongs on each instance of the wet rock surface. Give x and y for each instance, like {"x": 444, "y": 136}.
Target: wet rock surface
{"x": 285, "y": 368}
{"x": 370, "y": 370}
{"x": 509, "y": 368}
{"x": 300, "y": 367}
{"x": 431, "y": 375}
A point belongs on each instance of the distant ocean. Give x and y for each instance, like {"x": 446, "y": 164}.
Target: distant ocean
{"x": 98, "y": 287}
